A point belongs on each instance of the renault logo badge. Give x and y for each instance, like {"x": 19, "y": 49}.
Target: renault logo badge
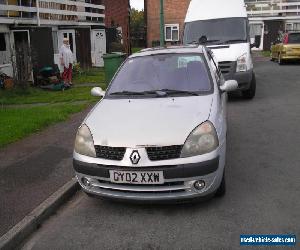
{"x": 135, "y": 157}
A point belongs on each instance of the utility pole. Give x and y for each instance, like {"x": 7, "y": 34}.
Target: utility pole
{"x": 162, "y": 24}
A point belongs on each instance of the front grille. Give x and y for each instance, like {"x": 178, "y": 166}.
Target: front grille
{"x": 164, "y": 153}
{"x": 166, "y": 184}
{"x": 110, "y": 153}
{"x": 168, "y": 187}
{"x": 226, "y": 67}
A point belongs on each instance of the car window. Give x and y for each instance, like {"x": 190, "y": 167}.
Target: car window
{"x": 215, "y": 67}
{"x": 294, "y": 38}
{"x": 182, "y": 72}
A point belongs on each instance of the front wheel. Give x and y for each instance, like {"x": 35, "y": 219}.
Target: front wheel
{"x": 250, "y": 93}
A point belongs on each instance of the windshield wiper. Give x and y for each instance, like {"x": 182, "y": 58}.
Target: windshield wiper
{"x": 128, "y": 93}
{"x": 234, "y": 41}
{"x": 208, "y": 41}
{"x": 177, "y": 92}
{"x": 158, "y": 93}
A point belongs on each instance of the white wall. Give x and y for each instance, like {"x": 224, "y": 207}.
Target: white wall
{"x": 261, "y": 23}
{"x": 5, "y": 56}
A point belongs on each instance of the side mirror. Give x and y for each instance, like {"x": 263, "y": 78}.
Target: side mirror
{"x": 229, "y": 86}
{"x": 98, "y": 92}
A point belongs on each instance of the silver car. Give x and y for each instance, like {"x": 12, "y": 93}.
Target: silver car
{"x": 159, "y": 132}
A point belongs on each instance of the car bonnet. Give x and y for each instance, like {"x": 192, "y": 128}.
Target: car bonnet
{"x": 147, "y": 122}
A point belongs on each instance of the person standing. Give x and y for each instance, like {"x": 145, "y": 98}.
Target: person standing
{"x": 66, "y": 61}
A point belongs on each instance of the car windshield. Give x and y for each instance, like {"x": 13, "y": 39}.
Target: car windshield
{"x": 294, "y": 38}
{"x": 162, "y": 75}
{"x": 219, "y": 31}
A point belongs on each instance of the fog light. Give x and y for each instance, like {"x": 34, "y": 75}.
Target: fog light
{"x": 199, "y": 185}
{"x": 85, "y": 181}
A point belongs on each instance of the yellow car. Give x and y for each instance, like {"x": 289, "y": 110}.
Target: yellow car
{"x": 288, "y": 48}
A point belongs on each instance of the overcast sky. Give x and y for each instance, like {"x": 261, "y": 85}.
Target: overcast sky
{"x": 137, "y": 4}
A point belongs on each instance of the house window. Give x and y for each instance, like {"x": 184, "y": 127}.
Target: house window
{"x": 296, "y": 27}
{"x": 2, "y": 42}
{"x": 172, "y": 32}
{"x": 292, "y": 26}
{"x": 288, "y": 26}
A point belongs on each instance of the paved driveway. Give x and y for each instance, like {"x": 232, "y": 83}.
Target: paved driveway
{"x": 34, "y": 168}
{"x": 263, "y": 180}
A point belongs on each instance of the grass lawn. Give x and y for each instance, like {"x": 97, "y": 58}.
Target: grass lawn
{"x": 93, "y": 75}
{"x": 19, "y": 122}
{"x": 135, "y": 50}
{"x": 265, "y": 53}
{"x": 16, "y": 123}
{"x": 36, "y": 95}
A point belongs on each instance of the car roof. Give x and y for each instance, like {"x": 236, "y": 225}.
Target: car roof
{"x": 169, "y": 50}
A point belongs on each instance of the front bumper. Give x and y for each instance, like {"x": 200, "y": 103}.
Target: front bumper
{"x": 244, "y": 79}
{"x": 178, "y": 186}
{"x": 291, "y": 56}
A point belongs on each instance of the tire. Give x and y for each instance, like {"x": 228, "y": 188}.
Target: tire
{"x": 221, "y": 191}
{"x": 250, "y": 93}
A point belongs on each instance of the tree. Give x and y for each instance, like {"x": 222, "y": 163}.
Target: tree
{"x": 137, "y": 28}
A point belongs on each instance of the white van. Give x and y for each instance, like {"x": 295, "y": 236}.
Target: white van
{"x": 225, "y": 29}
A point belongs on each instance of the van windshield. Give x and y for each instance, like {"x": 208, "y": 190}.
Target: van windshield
{"x": 162, "y": 74}
{"x": 217, "y": 31}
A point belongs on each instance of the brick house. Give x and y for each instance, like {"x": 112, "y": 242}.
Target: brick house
{"x": 267, "y": 18}
{"x": 175, "y": 12}
{"x": 118, "y": 15}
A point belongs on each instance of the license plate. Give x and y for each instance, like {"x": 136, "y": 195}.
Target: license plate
{"x": 136, "y": 177}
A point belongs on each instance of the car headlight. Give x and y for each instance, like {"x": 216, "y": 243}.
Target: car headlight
{"x": 242, "y": 63}
{"x": 202, "y": 140}
{"x": 84, "y": 143}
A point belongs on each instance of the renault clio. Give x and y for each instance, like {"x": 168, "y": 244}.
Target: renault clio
{"x": 159, "y": 132}
{"x": 225, "y": 26}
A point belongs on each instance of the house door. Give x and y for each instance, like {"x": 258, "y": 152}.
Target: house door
{"x": 70, "y": 34}
{"x": 98, "y": 47}
{"x": 22, "y": 55}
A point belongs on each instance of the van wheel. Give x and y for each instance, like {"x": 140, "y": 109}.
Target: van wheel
{"x": 250, "y": 93}
{"x": 221, "y": 191}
